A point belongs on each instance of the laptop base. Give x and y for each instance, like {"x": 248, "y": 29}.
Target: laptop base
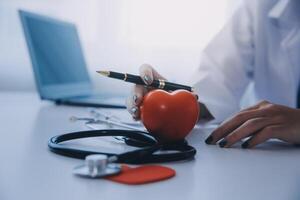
{"x": 93, "y": 101}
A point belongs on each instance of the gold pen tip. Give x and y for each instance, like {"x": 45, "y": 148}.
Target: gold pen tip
{"x": 104, "y": 73}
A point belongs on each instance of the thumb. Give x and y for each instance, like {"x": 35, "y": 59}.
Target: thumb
{"x": 148, "y": 74}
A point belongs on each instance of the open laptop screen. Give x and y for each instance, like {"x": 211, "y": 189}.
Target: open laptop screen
{"x": 56, "y": 55}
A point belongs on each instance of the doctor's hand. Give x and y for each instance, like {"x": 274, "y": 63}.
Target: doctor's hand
{"x": 148, "y": 74}
{"x": 260, "y": 123}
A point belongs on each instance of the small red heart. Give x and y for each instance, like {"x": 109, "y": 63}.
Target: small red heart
{"x": 169, "y": 116}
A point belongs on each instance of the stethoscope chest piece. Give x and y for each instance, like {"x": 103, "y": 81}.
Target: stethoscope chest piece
{"x": 97, "y": 166}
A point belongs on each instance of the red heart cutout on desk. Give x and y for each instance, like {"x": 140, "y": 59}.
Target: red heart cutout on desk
{"x": 169, "y": 116}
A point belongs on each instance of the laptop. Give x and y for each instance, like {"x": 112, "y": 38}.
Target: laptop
{"x": 58, "y": 63}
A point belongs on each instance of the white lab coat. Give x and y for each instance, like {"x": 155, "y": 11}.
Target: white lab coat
{"x": 260, "y": 44}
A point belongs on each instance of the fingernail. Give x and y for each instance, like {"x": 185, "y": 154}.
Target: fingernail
{"x": 134, "y": 98}
{"x": 245, "y": 145}
{"x": 209, "y": 140}
{"x": 133, "y": 110}
{"x": 223, "y": 143}
{"x": 147, "y": 79}
{"x": 135, "y": 118}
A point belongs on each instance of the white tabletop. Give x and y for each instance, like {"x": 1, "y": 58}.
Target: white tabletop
{"x": 28, "y": 170}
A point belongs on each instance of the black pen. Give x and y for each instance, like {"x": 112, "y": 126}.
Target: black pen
{"x": 160, "y": 84}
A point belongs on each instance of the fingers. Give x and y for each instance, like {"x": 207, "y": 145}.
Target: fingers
{"x": 196, "y": 95}
{"x": 132, "y": 108}
{"x": 246, "y": 129}
{"x": 138, "y": 93}
{"x": 134, "y": 100}
{"x": 148, "y": 74}
{"x": 230, "y": 125}
{"x": 261, "y": 121}
{"x": 260, "y": 137}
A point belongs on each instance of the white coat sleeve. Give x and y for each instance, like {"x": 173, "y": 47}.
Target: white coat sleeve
{"x": 226, "y": 63}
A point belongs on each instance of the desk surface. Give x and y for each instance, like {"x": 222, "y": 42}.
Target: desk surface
{"x": 29, "y": 171}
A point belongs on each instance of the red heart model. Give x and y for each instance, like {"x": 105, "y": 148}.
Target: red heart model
{"x": 169, "y": 116}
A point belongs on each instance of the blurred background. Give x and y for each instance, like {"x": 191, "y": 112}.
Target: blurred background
{"x": 117, "y": 35}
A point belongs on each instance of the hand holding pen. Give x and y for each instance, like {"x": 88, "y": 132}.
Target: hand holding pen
{"x": 152, "y": 79}
{"x": 148, "y": 74}
{"x": 149, "y": 79}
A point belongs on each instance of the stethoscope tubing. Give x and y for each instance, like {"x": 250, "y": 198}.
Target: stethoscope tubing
{"x": 143, "y": 155}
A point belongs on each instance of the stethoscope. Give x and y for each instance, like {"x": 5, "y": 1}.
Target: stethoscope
{"x": 106, "y": 118}
{"x": 99, "y": 164}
